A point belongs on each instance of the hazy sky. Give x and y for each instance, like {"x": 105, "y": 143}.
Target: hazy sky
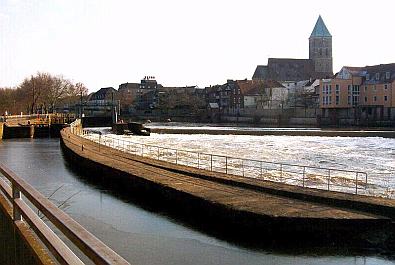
{"x": 106, "y": 43}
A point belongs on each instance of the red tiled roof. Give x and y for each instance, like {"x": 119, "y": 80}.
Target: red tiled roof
{"x": 254, "y": 87}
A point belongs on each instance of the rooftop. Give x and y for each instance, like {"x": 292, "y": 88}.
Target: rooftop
{"x": 320, "y": 30}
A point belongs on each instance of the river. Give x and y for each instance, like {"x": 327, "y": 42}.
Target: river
{"x": 141, "y": 235}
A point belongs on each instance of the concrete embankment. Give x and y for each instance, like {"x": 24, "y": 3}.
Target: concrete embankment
{"x": 30, "y": 131}
{"x": 25, "y": 131}
{"x": 255, "y": 210}
{"x": 327, "y": 133}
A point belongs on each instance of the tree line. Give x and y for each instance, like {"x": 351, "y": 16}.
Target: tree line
{"x": 42, "y": 92}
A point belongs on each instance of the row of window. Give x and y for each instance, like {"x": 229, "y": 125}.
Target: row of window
{"x": 375, "y": 98}
{"x": 352, "y": 89}
{"x": 377, "y": 76}
{"x": 351, "y": 100}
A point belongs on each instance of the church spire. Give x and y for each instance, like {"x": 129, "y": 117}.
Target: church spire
{"x": 320, "y": 30}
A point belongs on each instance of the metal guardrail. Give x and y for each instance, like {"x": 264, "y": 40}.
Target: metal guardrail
{"x": 93, "y": 248}
{"x": 43, "y": 118}
{"x": 331, "y": 179}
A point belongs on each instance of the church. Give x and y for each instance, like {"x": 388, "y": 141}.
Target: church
{"x": 319, "y": 65}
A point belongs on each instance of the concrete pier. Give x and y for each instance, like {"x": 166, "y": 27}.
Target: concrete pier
{"x": 256, "y": 210}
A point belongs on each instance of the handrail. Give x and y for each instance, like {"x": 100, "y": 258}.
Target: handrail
{"x": 229, "y": 165}
{"x": 92, "y": 247}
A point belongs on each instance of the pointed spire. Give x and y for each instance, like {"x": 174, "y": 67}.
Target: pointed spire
{"x": 320, "y": 30}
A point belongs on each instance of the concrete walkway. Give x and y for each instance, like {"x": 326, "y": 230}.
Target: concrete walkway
{"x": 263, "y": 206}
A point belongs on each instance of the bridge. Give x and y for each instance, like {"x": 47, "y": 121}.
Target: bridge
{"x": 36, "y": 125}
{"x": 256, "y": 209}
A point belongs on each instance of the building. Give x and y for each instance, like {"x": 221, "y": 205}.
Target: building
{"x": 319, "y": 65}
{"x": 101, "y": 103}
{"x": 138, "y": 96}
{"x": 359, "y": 95}
{"x": 235, "y": 95}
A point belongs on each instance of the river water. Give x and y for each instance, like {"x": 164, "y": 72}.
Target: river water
{"x": 144, "y": 236}
{"x": 374, "y": 156}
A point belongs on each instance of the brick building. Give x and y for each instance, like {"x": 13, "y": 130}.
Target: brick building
{"x": 361, "y": 95}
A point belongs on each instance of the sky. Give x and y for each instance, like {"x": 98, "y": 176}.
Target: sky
{"x": 182, "y": 42}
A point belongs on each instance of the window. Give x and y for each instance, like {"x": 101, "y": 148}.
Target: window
{"x": 366, "y": 99}
{"x": 355, "y": 100}
{"x": 366, "y": 88}
{"x": 337, "y": 100}
{"x": 349, "y": 89}
{"x": 367, "y": 76}
{"x": 375, "y": 98}
{"x": 349, "y": 100}
{"x": 330, "y": 99}
{"x": 330, "y": 89}
{"x": 385, "y": 86}
{"x": 385, "y": 98}
{"x": 374, "y": 88}
{"x": 377, "y": 76}
{"x": 387, "y": 75}
{"x": 337, "y": 89}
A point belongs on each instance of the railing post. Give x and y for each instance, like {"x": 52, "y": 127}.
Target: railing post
{"x": 261, "y": 170}
{"x": 304, "y": 171}
{"x": 226, "y": 164}
{"x": 211, "y": 162}
{"x": 16, "y": 194}
{"x": 242, "y": 166}
{"x": 356, "y": 183}
{"x": 142, "y": 150}
{"x": 176, "y": 156}
{"x": 158, "y": 153}
{"x": 199, "y": 160}
{"x": 329, "y": 177}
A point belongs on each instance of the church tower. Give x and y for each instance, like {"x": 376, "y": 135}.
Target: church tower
{"x": 320, "y": 49}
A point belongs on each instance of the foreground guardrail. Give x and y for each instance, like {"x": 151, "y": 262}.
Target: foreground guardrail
{"x": 16, "y": 190}
{"x": 331, "y": 179}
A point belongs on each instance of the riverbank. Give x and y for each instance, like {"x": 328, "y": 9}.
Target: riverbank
{"x": 255, "y": 210}
{"x": 281, "y": 131}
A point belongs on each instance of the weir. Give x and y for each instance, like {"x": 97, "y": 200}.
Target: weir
{"x": 259, "y": 211}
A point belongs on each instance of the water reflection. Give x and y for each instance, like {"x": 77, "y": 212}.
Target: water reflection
{"x": 142, "y": 233}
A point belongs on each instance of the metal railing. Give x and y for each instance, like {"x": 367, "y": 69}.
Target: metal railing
{"x": 39, "y": 118}
{"x": 331, "y": 179}
{"x": 89, "y": 245}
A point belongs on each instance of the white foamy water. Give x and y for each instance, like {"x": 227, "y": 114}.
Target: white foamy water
{"x": 373, "y": 155}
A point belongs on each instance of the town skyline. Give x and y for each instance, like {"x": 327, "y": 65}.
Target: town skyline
{"x": 181, "y": 44}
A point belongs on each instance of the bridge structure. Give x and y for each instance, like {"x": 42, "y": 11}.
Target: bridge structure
{"x": 36, "y": 125}
{"x": 255, "y": 209}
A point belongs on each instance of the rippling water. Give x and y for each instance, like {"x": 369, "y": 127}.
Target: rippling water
{"x": 373, "y": 155}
